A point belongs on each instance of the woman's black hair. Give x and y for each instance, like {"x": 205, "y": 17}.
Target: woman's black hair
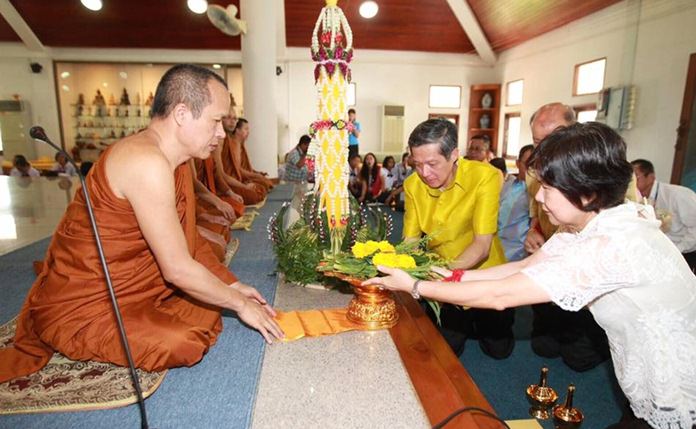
{"x": 584, "y": 160}
{"x": 366, "y": 172}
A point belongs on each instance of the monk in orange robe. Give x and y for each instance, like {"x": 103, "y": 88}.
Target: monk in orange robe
{"x": 248, "y": 171}
{"x": 229, "y": 157}
{"x": 213, "y": 216}
{"x": 169, "y": 285}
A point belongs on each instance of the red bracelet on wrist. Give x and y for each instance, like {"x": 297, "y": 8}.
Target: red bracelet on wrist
{"x": 456, "y": 276}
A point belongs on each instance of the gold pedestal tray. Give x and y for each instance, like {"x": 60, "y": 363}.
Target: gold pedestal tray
{"x": 372, "y": 308}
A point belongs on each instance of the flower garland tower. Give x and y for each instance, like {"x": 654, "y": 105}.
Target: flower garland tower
{"x": 332, "y": 50}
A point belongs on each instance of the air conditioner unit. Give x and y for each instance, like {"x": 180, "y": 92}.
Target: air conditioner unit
{"x": 616, "y": 107}
{"x": 393, "y": 129}
{"x": 15, "y": 122}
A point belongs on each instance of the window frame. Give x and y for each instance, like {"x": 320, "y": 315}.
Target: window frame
{"x": 575, "y": 76}
{"x": 506, "y": 121}
{"x": 459, "y": 105}
{"x": 452, "y": 116}
{"x": 507, "y": 92}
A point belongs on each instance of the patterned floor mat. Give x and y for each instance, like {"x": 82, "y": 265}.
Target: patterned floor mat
{"x": 67, "y": 385}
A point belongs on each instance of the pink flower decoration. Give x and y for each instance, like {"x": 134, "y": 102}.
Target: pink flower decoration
{"x": 330, "y": 68}
{"x": 325, "y": 38}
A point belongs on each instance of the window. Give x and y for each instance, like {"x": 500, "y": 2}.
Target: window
{"x": 448, "y": 97}
{"x": 511, "y": 143}
{"x": 351, "y": 94}
{"x": 453, "y": 118}
{"x": 514, "y": 91}
{"x": 589, "y": 77}
{"x": 586, "y": 112}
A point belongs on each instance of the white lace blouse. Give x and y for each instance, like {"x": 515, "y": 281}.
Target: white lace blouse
{"x": 641, "y": 292}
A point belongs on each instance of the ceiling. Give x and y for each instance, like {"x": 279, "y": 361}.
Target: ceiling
{"x": 413, "y": 25}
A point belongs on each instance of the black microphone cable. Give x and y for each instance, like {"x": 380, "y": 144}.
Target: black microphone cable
{"x": 38, "y": 133}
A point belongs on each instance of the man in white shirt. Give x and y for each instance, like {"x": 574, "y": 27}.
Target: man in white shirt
{"x": 675, "y": 205}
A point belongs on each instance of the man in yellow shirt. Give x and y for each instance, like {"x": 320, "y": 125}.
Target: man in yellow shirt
{"x": 455, "y": 202}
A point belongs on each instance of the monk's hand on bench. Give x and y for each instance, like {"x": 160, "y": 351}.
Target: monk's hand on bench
{"x": 258, "y": 317}
{"x": 256, "y": 313}
{"x": 255, "y": 295}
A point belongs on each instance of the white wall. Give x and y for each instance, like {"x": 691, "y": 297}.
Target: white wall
{"x": 646, "y": 44}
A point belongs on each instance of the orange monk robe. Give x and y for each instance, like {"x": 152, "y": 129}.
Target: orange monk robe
{"x": 68, "y": 308}
{"x": 232, "y": 166}
{"x": 246, "y": 165}
{"x": 205, "y": 169}
{"x": 211, "y": 222}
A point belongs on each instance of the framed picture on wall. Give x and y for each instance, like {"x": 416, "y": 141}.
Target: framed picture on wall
{"x": 452, "y": 117}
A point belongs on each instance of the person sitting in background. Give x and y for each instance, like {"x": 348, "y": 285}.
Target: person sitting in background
{"x": 296, "y": 167}
{"x": 479, "y": 148}
{"x": 229, "y": 161}
{"x": 401, "y": 172}
{"x": 387, "y": 172}
{"x": 62, "y": 166}
{"x": 371, "y": 183}
{"x": 242, "y": 133}
{"x": 513, "y": 216}
{"x": 22, "y": 168}
{"x": 499, "y": 163}
{"x": 675, "y": 204}
{"x": 611, "y": 257}
{"x": 354, "y": 186}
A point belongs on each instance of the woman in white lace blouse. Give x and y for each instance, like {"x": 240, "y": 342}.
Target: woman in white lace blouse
{"x": 614, "y": 259}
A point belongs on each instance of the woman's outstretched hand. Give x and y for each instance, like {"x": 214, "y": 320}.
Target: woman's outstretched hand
{"x": 444, "y": 272}
{"x": 395, "y": 279}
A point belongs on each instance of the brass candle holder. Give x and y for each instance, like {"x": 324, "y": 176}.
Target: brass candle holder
{"x": 541, "y": 397}
{"x": 566, "y": 416}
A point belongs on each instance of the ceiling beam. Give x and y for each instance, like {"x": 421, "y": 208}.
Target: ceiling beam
{"x": 473, "y": 30}
{"x": 19, "y": 25}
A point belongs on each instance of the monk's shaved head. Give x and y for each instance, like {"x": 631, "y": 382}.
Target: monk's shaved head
{"x": 187, "y": 84}
{"x": 549, "y": 117}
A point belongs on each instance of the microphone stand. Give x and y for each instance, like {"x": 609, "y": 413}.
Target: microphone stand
{"x": 38, "y": 133}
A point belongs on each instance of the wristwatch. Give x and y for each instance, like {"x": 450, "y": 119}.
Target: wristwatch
{"x": 414, "y": 291}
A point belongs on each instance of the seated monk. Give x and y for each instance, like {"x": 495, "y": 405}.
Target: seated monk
{"x": 247, "y": 170}
{"x": 213, "y": 216}
{"x": 229, "y": 156}
{"x": 208, "y": 171}
{"x": 170, "y": 286}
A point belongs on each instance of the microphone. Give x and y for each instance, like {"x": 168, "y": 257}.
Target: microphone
{"x": 38, "y": 133}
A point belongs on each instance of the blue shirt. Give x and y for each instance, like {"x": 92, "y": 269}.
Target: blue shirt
{"x": 513, "y": 218}
{"x": 352, "y": 140}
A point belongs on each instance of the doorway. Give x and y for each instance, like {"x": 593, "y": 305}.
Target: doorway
{"x": 684, "y": 166}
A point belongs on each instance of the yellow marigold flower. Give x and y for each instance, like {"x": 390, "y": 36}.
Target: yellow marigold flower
{"x": 393, "y": 260}
{"x": 361, "y": 250}
{"x": 406, "y": 261}
{"x": 385, "y": 246}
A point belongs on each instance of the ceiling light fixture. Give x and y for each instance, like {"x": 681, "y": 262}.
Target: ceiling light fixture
{"x": 92, "y": 4}
{"x": 217, "y": 66}
{"x": 368, "y": 9}
{"x": 197, "y": 6}
{"x": 65, "y": 75}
